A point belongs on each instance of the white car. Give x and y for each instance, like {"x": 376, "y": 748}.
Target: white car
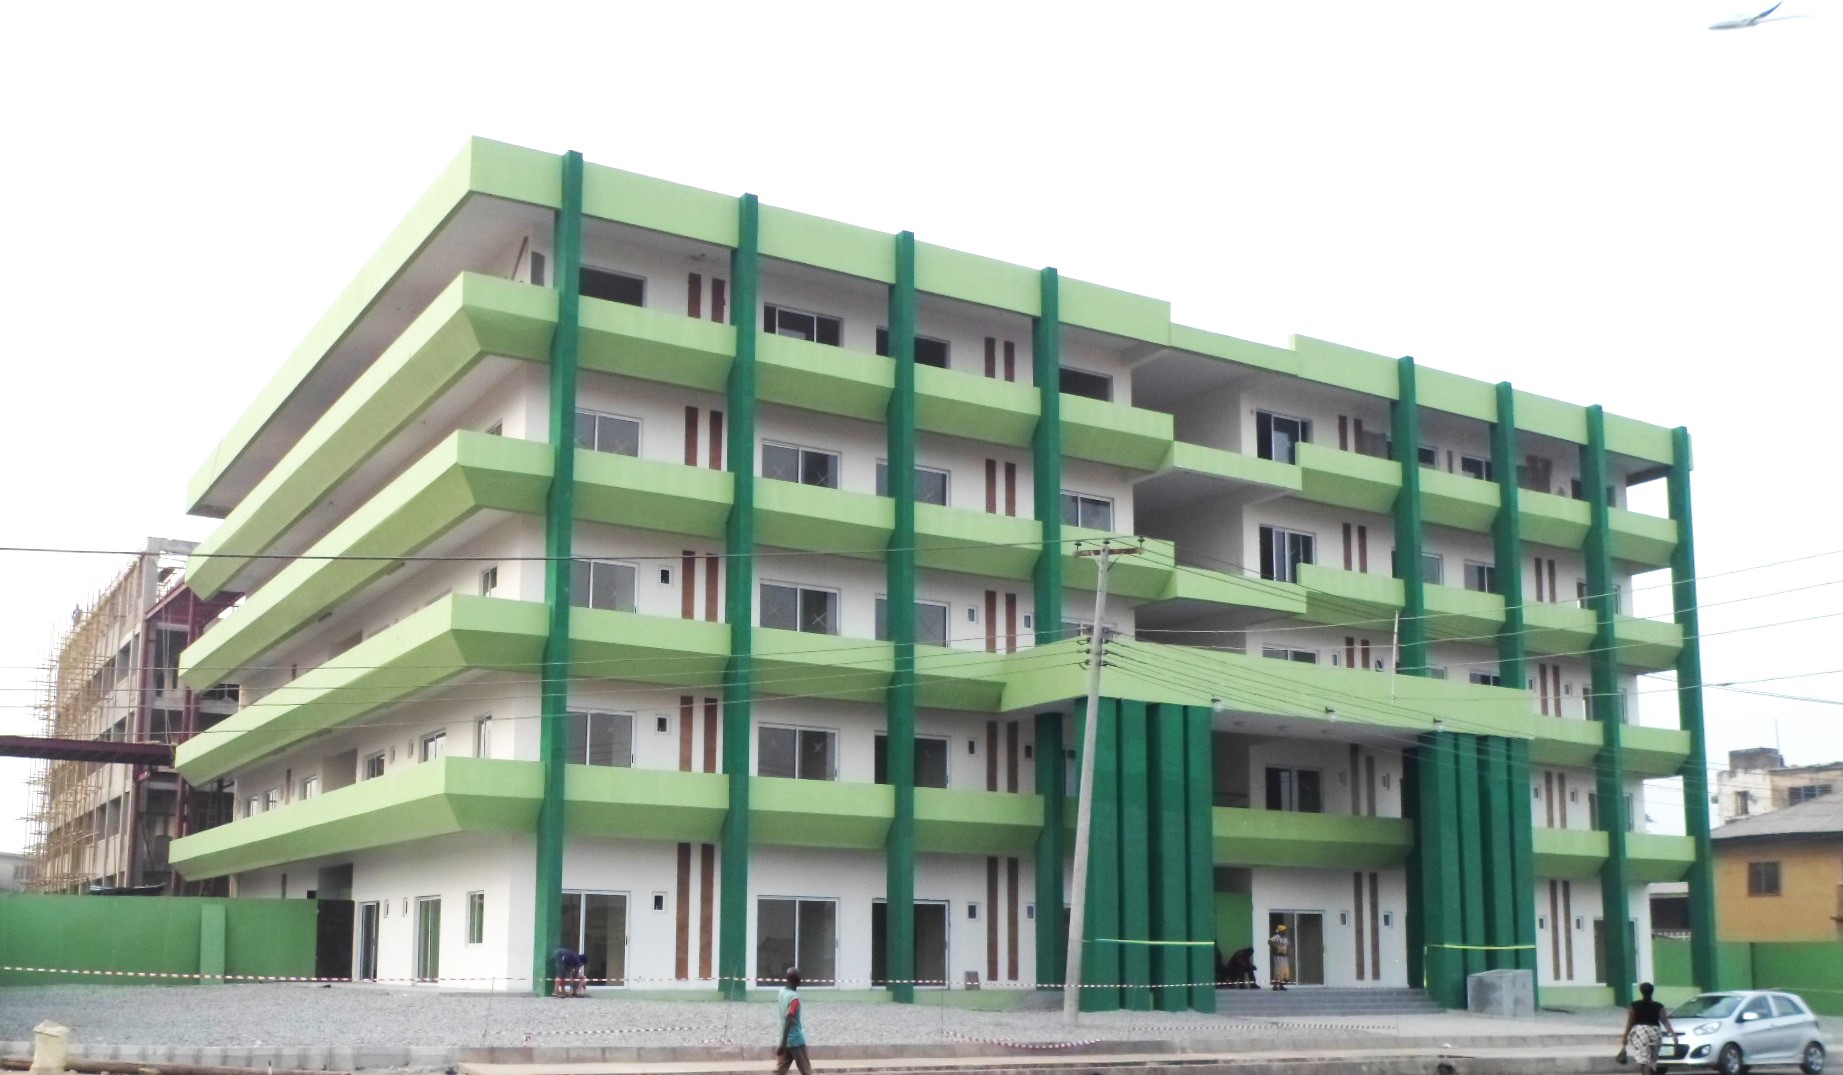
{"x": 1734, "y": 1031}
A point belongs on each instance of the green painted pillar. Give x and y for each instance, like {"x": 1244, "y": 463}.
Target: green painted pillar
{"x": 1046, "y": 458}
{"x": 1167, "y": 734}
{"x": 1436, "y": 862}
{"x": 739, "y": 607}
{"x": 1101, "y": 963}
{"x": 1702, "y": 940}
{"x": 1405, "y": 430}
{"x": 1052, "y": 942}
{"x": 1500, "y": 864}
{"x": 1200, "y": 834}
{"x": 1608, "y": 708}
{"x": 899, "y": 575}
{"x": 1507, "y": 541}
{"x": 1135, "y": 878}
{"x": 1523, "y": 860}
{"x": 559, "y": 526}
{"x": 1473, "y": 877}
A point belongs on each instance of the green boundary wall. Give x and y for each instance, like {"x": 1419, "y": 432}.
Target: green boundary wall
{"x": 169, "y": 935}
{"x": 1812, "y": 969}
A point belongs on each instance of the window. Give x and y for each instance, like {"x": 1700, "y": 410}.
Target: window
{"x": 271, "y": 799}
{"x": 1433, "y": 568}
{"x": 1082, "y": 383}
{"x": 476, "y": 917}
{"x": 799, "y": 608}
{"x": 489, "y": 581}
{"x": 781, "y": 321}
{"x": 310, "y": 787}
{"x": 1480, "y": 577}
{"x": 1474, "y": 467}
{"x": 1278, "y": 436}
{"x": 613, "y": 286}
{"x": 1294, "y": 790}
{"x": 1806, "y": 793}
{"x": 372, "y": 766}
{"x": 930, "y": 761}
{"x": 1092, "y": 512}
{"x": 1428, "y": 457}
{"x": 930, "y": 484}
{"x": 783, "y": 462}
{"x": 597, "y": 738}
{"x": 928, "y": 351}
{"x": 1085, "y": 629}
{"x": 434, "y": 745}
{"x": 930, "y": 622}
{"x": 607, "y": 433}
{"x": 1281, "y": 653}
{"x": 483, "y": 737}
{"x": 795, "y": 933}
{"x": 1282, "y": 551}
{"x": 1485, "y": 679}
{"x": 252, "y": 806}
{"x": 600, "y": 584}
{"x": 1786, "y": 1007}
{"x": 1743, "y": 802}
{"x": 796, "y": 753}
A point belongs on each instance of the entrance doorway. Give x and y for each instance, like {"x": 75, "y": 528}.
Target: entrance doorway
{"x": 428, "y": 938}
{"x": 367, "y": 942}
{"x": 1307, "y": 929}
{"x": 595, "y": 924}
{"x": 333, "y": 920}
{"x": 930, "y": 944}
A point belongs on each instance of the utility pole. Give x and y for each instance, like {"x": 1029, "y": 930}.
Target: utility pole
{"x": 1078, "y": 895}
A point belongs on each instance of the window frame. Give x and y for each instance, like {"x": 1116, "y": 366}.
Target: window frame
{"x": 583, "y": 270}
{"x": 1765, "y": 878}
{"x": 588, "y": 719}
{"x": 476, "y": 917}
{"x": 946, "y": 477}
{"x": 581, "y": 596}
{"x": 365, "y": 767}
{"x": 1079, "y": 500}
{"x": 1477, "y": 467}
{"x": 595, "y": 439}
{"x": 800, "y": 733}
{"x": 1286, "y": 653}
{"x": 1264, "y": 435}
{"x": 800, "y": 454}
{"x": 1487, "y": 573}
{"x": 1270, "y": 565}
{"x": 771, "y": 324}
{"x": 880, "y": 759}
{"x": 800, "y": 591}
{"x": 883, "y": 348}
{"x": 881, "y": 620}
{"x": 1097, "y": 380}
{"x": 1292, "y": 788}
{"x": 432, "y": 746}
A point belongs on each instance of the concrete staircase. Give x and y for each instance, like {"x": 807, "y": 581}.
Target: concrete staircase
{"x": 1318, "y": 1000}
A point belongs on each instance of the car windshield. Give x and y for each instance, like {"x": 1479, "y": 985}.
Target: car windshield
{"x": 1707, "y": 1006}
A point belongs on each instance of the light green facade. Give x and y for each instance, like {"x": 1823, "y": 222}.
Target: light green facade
{"x": 1470, "y": 804}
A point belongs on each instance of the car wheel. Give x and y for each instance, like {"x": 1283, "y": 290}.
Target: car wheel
{"x": 1729, "y": 1062}
{"x": 1812, "y": 1061}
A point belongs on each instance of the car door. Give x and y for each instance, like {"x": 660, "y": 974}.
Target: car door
{"x": 1754, "y": 1030}
{"x": 1792, "y": 1027}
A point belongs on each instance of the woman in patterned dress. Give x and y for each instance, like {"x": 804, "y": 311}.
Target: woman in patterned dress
{"x": 1645, "y": 1025}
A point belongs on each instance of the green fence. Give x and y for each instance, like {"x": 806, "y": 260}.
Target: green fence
{"x": 1812, "y": 969}
{"x": 149, "y": 935}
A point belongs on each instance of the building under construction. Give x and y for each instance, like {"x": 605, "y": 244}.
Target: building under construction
{"x": 111, "y": 711}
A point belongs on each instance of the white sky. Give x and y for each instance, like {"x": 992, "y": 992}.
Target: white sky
{"x": 1603, "y": 203}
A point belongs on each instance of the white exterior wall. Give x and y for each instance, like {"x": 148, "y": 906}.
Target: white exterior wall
{"x": 965, "y": 327}
{"x": 1577, "y": 932}
{"x": 1329, "y": 892}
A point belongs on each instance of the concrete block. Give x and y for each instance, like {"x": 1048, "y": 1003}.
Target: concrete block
{"x": 1507, "y": 993}
{"x": 430, "y": 1056}
{"x": 210, "y": 1056}
{"x": 381, "y": 1056}
{"x": 339, "y": 1058}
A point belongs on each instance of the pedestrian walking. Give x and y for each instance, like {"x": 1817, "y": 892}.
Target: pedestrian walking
{"x": 1280, "y": 960}
{"x": 1646, "y": 1023}
{"x": 792, "y": 1049}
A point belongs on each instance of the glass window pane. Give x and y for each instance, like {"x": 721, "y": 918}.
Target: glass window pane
{"x": 818, "y": 941}
{"x": 1071, "y": 509}
{"x": 882, "y": 620}
{"x": 775, "y": 752}
{"x": 830, "y": 330}
{"x": 774, "y": 940}
{"x": 818, "y": 612}
{"x": 798, "y": 325}
{"x": 1306, "y": 780}
{"x": 579, "y": 582}
{"x": 931, "y": 486}
{"x": 601, "y": 739}
{"x": 815, "y": 755}
{"x": 880, "y": 759}
{"x": 883, "y": 478}
{"x": 1096, "y": 514}
{"x": 618, "y": 435}
{"x": 819, "y": 468}
{"x": 576, "y": 746}
{"x": 780, "y": 462}
{"x": 931, "y": 625}
{"x": 585, "y": 430}
{"x": 931, "y": 763}
{"x": 931, "y": 352}
{"x": 780, "y": 607}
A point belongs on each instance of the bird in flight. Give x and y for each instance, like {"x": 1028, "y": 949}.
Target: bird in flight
{"x": 1745, "y": 21}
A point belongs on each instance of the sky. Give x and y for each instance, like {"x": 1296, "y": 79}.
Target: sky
{"x": 1605, "y": 203}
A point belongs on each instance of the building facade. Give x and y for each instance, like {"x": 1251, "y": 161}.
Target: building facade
{"x": 606, "y": 487}
{"x": 1758, "y": 780}
{"x": 114, "y": 678}
{"x": 1779, "y": 875}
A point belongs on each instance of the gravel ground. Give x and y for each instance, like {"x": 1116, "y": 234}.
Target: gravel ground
{"x": 289, "y": 1015}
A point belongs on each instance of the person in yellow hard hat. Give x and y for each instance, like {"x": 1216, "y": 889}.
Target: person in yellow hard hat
{"x": 1280, "y": 969}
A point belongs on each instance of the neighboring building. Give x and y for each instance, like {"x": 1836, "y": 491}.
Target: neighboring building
{"x": 15, "y": 871}
{"x": 1779, "y": 875}
{"x": 1758, "y": 780}
{"x": 106, "y": 827}
{"x": 716, "y": 786}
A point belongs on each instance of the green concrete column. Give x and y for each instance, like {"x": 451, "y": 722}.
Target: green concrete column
{"x": 1052, "y": 942}
{"x": 1437, "y": 906}
{"x": 1473, "y": 875}
{"x": 559, "y": 525}
{"x": 1695, "y": 771}
{"x": 1608, "y": 709}
{"x": 1101, "y": 963}
{"x": 1046, "y": 457}
{"x": 1135, "y": 878}
{"x": 1168, "y": 789}
{"x": 1200, "y": 835}
{"x": 1500, "y": 864}
{"x": 1405, "y": 430}
{"x": 739, "y": 606}
{"x": 1523, "y": 860}
{"x": 899, "y": 573}
{"x": 1507, "y": 541}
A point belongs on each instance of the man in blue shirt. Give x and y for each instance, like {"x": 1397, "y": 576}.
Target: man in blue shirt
{"x": 792, "y": 1049}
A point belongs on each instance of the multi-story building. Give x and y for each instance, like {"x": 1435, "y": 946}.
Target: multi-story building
{"x": 603, "y": 488}
{"x": 1780, "y": 873}
{"x": 106, "y": 815}
{"x": 15, "y": 871}
{"x": 1758, "y": 780}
